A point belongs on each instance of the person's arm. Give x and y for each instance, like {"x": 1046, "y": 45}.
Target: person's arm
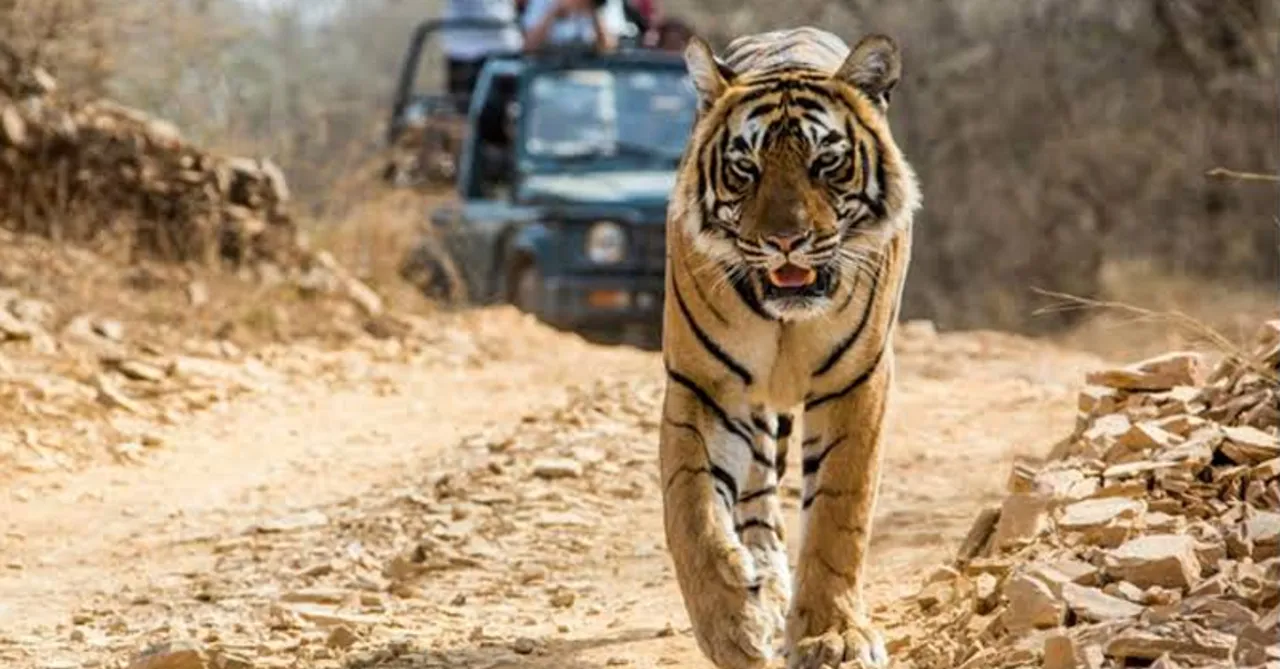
{"x": 605, "y": 39}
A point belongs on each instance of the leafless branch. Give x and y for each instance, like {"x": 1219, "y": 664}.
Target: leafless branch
{"x": 1192, "y": 326}
{"x": 1224, "y": 173}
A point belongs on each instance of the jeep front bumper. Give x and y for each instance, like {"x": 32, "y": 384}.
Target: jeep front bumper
{"x": 574, "y": 302}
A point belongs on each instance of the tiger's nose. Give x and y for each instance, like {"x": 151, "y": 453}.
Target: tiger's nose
{"x": 787, "y": 241}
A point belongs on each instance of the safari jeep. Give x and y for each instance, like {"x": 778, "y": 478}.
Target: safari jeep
{"x": 563, "y": 179}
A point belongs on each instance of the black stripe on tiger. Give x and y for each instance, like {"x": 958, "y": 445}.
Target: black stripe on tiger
{"x": 730, "y": 493}
{"x": 814, "y": 403}
{"x": 810, "y": 465}
{"x": 785, "y": 423}
{"x": 843, "y": 346}
{"x": 757, "y": 494}
{"x": 735, "y": 428}
{"x": 743, "y": 289}
{"x": 703, "y": 338}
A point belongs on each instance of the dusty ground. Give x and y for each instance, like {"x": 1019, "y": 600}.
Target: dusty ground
{"x": 392, "y": 504}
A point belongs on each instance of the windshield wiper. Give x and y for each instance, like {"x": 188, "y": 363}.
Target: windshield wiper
{"x": 644, "y": 151}
{"x": 617, "y": 150}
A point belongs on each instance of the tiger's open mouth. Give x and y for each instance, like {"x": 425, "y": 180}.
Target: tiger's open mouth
{"x": 792, "y": 276}
{"x": 795, "y": 282}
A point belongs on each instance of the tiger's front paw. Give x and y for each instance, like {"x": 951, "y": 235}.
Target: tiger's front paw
{"x": 738, "y": 624}
{"x": 857, "y": 646}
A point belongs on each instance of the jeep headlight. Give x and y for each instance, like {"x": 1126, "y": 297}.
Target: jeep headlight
{"x": 606, "y": 243}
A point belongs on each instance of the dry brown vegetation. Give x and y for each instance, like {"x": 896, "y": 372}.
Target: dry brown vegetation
{"x": 1055, "y": 139}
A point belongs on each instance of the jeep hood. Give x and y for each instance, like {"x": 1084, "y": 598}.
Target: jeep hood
{"x": 631, "y": 187}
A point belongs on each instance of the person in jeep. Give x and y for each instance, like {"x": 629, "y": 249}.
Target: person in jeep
{"x": 467, "y": 49}
{"x": 564, "y": 22}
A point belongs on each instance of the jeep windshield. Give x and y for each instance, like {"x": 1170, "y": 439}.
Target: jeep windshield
{"x": 596, "y": 118}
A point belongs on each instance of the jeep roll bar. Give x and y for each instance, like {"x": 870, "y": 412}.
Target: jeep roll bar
{"x": 413, "y": 57}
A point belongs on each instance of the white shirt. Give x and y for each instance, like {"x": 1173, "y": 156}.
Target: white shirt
{"x": 577, "y": 28}
{"x": 475, "y": 43}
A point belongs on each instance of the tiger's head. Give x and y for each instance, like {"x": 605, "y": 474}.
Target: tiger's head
{"x": 792, "y": 182}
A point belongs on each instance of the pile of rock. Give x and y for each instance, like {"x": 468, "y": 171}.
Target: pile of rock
{"x": 84, "y": 171}
{"x": 1150, "y": 537}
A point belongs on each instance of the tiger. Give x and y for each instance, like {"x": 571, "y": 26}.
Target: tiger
{"x": 789, "y": 234}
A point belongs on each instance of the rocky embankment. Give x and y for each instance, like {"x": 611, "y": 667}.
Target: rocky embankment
{"x": 1149, "y": 537}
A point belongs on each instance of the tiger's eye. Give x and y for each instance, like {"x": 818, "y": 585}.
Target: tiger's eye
{"x": 826, "y": 160}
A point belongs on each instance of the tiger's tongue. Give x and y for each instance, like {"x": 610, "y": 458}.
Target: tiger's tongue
{"x": 792, "y": 276}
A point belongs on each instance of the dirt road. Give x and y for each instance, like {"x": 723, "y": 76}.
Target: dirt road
{"x": 493, "y": 504}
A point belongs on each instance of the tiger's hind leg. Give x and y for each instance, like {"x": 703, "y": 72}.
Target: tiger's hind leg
{"x": 718, "y": 542}
{"x": 827, "y": 624}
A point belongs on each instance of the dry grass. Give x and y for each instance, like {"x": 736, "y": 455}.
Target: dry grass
{"x": 1174, "y": 312}
{"x": 372, "y": 236}
{"x": 153, "y": 300}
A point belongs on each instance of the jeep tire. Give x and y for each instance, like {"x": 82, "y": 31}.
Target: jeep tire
{"x": 526, "y": 287}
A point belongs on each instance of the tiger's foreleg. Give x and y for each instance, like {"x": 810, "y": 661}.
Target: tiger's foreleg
{"x": 723, "y": 527}
{"x": 827, "y": 623}
{"x": 758, "y": 518}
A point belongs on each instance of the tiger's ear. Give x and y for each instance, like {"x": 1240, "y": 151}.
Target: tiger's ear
{"x": 710, "y": 76}
{"x": 874, "y": 67}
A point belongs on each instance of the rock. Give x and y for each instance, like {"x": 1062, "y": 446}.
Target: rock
{"x": 1098, "y": 400}
{"x": 1060, "y": 653}
{"x": 12, "y": 329}
{"x": 1093, "y": 513}
{"x": 1181, "y": 424}
{"x": 1075, "y": 571}
{"x": 1151, "y": 644}
{"x": 1249, "y": 445}
{"x": 33, "y": 312}
{"x": 111, "y": 396}
{"x": 524, "y": 645}
{"x": 1065, "y": 484}
{"x": 1154, "y": 374}
{"x": 559, "y": 468}
{"x": 1126, "y": 591}
{"x": 561, "y": 519}
{"x": 1023, "y": 517}
{"x": 197, "y": 294}
{"x": 172, "y": 655}
{"x": 1167, "y": 560}
{"x": 1096, "y": 606}
{"x": 979, "y": 534}
{"x": 341, "y": 638}
{"x": 1131, "y": 469}
{"x": 1104, "y": 431}
{"x": 986, "y": 593}
{"x": 1032, "y": 605}
{"x": 1263, "y": 529}
{"x": 108, "y": 328}
{"x": 1146, "y": 435}
{"x": 329, "y": 616}
{"x": 141, "y": 371}
{"x": 317, "y": 595}
{"x": 297, "y": 521}
{"x": 563, "y": 598}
